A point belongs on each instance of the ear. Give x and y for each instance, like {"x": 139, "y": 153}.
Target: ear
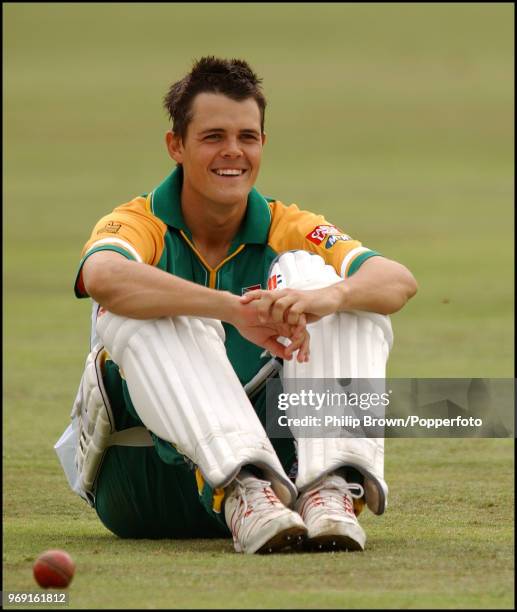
{"x": 174, "y": 146}
{"x": 264, "y": 138}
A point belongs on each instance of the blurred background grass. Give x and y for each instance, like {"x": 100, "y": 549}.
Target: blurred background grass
{"x": 394, "y": 120}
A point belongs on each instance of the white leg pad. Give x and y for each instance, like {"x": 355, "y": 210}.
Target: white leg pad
{"x": 343, "y": 345}
{"x": 185, "y": 390}
{"x": 82, "y": 446}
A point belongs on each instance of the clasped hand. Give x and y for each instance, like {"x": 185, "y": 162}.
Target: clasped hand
{"x": 266, "y": 316}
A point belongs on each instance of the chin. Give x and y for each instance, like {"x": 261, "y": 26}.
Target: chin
{"x": 231, "y": 196}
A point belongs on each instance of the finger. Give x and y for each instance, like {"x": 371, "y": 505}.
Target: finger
{"x": 300, "y": 327}
{"x": 249, "y": 296}
{"x": 263, "y": 306}
{"x": 304, "y": 352}
{"x": 278, "y": 309}
{"x": 299, "y": 343}
{"x": 292, "y": 346}
{"x": 294, "y": 315}
{"x": 282, "y": 307}
{"x": 296, "y": 343}
{"x": 277, "y": 349}
{"x": 298, "y": 332}
{"x": 288, "y": 331}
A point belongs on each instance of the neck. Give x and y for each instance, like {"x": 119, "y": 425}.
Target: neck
{"x": 212, "y": 224}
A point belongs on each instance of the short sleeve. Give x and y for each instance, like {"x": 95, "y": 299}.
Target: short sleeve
{"x": 292, "y": 229}
{"x": 131, "y": 230}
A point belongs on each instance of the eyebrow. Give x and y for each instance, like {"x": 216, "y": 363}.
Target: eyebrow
{"x": 222, "y": 130}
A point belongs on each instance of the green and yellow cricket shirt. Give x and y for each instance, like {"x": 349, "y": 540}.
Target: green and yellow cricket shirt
{"x": 151, "y": 229}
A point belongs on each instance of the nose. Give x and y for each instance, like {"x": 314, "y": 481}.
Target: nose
{"x": 231, "y": 149}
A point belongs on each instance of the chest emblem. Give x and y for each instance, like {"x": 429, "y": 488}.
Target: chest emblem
{"x": 250, "y": 288}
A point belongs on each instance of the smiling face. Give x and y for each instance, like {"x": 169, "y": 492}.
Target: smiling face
{"x": 221, "y": 151}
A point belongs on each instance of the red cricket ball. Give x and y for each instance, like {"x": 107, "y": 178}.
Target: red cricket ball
{"x": 54, "y": 568}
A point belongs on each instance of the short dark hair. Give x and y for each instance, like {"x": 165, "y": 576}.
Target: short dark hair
{"x": 233, "y": 78}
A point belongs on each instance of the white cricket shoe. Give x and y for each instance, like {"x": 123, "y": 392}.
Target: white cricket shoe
{"x": 328, "y": 511}
{"x": 258, "y": 520}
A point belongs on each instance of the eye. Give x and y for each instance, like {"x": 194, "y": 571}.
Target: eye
{"x": 249, "y": 136}
{"x": 212, "y": 137}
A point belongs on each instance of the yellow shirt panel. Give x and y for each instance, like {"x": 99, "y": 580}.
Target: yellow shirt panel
{"x": 133, "y": 228}
{"x": 292, "y": 228}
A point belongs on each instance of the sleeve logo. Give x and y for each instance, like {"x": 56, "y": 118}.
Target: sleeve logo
{"x": 110, "y": 227}
{"x": 331, "y": 241}
{"x": 319, "y": 233}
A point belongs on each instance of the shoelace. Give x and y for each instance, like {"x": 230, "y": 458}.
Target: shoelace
{"x": 329, "y": 499}
{"x": 258, "y": 486}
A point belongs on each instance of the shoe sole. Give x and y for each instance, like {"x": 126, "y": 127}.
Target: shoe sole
{"x": 326, "y": 543}
{"x": 294, "y": 537}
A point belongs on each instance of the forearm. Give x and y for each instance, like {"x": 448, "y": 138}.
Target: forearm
{"x": 381, "y": 286}
{"x": 142, "y": 291}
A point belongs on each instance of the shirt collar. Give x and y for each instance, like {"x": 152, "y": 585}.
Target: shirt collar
{"x": 166, "y": 205}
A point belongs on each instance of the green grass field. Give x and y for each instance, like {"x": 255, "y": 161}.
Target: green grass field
{"x": 396, "y": 122}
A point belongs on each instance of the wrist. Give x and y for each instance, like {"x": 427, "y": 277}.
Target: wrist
{"x": 342, "y": 291}
{"x": 230, "y": 306}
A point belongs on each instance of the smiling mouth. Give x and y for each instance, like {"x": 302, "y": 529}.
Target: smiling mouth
{"x": 229, "y": 172}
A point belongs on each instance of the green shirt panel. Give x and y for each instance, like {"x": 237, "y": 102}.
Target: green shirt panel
{"x": 248, "y": 268}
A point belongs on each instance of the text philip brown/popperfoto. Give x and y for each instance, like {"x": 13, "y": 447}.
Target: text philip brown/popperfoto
{"x": 297, "y": 412}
